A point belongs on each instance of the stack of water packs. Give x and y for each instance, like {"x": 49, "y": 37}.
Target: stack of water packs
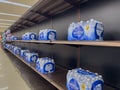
{"x": 31, "y": 57}
{"x": 14, "y": 37}
{"x": 47, "y": 34}
{"x": 7, "y": 46}
{"x": 23, "y": 53}
{"x": 17, "y": 50}
{"x": 29, "y": 36}
{"x": 79, "y": 79}
{"x": 8, "y": 36}
{"x": 12, "y": 48}
{"x": 45, "y": 65}
{"x": 86, "y": 30}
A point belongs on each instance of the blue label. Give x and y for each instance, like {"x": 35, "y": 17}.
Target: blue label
{"x": 51, "y": 35}
{"x": 86, "y": 73}
{"x": 33, "y": 58}
{"x": 41, "y": 36}
{"x": 17, "y": 51}
{"x": 23, "y": 54}
{"x": 73, "y": 85}
{"x": 98, "y": 32}
{"x": 32, "y": 37}
{"x": 51, "y": 69}
{"x": 78, "y": 32}
{"x": 97, "y": 85}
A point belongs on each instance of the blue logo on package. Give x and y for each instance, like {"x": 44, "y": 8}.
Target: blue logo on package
{"x": 73, "y": 85}
{"x": 48, "y": 67}
{"x": 17, "y": 51}
{"x": 23, "y": 53}
{"x": 97, "y": 85}
{"x": 41, "y": 36}
{"x": 78, "y": 33}
{"x": 33, "y": 58}
{"x": 32, "y": 36}
{"x": 99, "y": 31}
{"x": 51, "y": 35}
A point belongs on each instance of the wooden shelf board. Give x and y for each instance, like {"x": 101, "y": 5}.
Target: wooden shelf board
{"x": 88, "y": 43}
{"x": 30, "y": 41}
{"x": 57, "y": 78}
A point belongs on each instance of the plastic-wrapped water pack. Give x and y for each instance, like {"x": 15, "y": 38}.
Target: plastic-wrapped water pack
{"x": 29, "y": 36}
{"x": 86, "y": 30}
{"x": 45, "y": 65}
{"x": 31, "y": 57}
{"x": 79, "y": 79}
{"x": 14, "y": 38}
{"x": 23, "y": 53}
{"x": 17, "y": 50}
{"x": 47, "y": 34}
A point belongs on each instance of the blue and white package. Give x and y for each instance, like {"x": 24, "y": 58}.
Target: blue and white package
{"x": 45, "y": 65}
{"x": 86, "y": 30}
{"x": 79, "y": 79}
{"x": 29, "y": 36}
{"x": 47, "y": 34}
{"x": 13, "y": 38}
{"x": 12, "y": 48}
{"x": 23, "y": 53}
{"x": 24, "y": 36}
{"x": 7, "y": 46}
{"x": 17, "y": 50}
{"x": 93, "y": 30}
{"x": 31, "y": 57}
{"x": 75, "y": 32}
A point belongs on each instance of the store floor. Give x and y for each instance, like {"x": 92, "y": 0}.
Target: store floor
{"x": 15, "y": 75}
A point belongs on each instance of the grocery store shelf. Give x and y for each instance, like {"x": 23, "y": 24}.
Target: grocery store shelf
{"x": 30, "y": 41}
{"x": 57, "y": 78}
{"x": 88, "y": 43}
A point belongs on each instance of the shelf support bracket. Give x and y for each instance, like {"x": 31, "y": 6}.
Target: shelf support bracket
{"x": 75, "y": 4}
{"x": 29, "y": 20}
{"x": 71, "y": 2}
{"x": 42, "y": 14}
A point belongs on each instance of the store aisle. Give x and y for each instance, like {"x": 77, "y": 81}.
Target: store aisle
{"x": 14, "y": 75}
